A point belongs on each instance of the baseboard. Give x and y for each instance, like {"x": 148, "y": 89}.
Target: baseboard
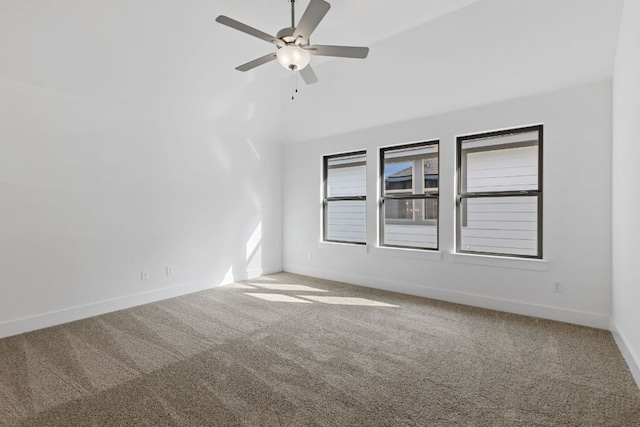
{"x": 45, "y": 320}
{"x": 251, "y": 274}
{"x": 631, "y": 357}
{"x": 593, "y": 320}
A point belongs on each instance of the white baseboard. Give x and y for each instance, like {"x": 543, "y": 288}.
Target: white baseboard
{"x": 252, "y": 274}
{"x": 593, "y": 320}
{"x": 631, "y": 357}
{"x": 45, "y": 320}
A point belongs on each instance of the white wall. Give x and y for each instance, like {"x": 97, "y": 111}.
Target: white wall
{"x": 577, "y": 211}
{"x": 626, "y": 196}
{"x": 93, "y": 191}
{"x": 489, "y": 51}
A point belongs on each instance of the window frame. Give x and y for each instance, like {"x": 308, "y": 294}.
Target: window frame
{"x": 326, "y": 199}
{"x": 461, "y": 216}
{"x": 424, "y": 195}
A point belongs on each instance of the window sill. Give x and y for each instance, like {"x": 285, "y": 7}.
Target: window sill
{"x": 433, "y": 255}
{"x": 499, "y": 261}
{"x": 344, "y": 247}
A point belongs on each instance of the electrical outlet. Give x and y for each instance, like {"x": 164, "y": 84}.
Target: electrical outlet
{"x": 144, "y": 275}
{"x": 169, "y": 271}
{"x": 309, "y": 255}
{"x": 557, "y": 287}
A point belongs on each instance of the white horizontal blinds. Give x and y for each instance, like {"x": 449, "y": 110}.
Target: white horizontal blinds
{"x": 518, "y": 138}
{"x": 505, "y": 165}
{"x": 507, "y": 225}
{"x": 404, "y": 153}
{"x": 410, "y": 176}
{"x": 509, "y": 169}
{"x": 344, "y": 211}
{"x": 413, "y": 236}
{"x": 347, "y": 176}
{"x": 346, "y": 221}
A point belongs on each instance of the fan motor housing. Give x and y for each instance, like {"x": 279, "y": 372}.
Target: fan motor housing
{"x": 286, "y": 34}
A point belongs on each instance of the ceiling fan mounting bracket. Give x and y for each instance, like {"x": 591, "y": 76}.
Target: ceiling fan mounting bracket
{"x": 286, "y": 35}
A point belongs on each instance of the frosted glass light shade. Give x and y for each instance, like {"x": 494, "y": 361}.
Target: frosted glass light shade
{"x": 293, "y": 57}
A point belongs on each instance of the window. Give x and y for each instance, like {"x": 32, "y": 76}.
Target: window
{"x": 499, "y": 209}
{"x": 409, "y": 212}
{"x": 344, "y": 205}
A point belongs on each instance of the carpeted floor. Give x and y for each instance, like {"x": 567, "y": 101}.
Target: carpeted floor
{"x": 288, "y": 350}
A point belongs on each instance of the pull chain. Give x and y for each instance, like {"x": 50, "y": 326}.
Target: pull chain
{"x": 294, "y": 84}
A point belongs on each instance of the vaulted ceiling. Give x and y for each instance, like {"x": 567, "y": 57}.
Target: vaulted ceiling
{"x": 168, "y": 54}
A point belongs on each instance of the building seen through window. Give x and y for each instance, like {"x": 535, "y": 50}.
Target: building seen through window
{"x": 410, "y": 195}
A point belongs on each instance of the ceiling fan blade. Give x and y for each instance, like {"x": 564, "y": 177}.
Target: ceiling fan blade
{"x": 310, "y": 19}
{"x": 341, "y": 51}
{"x": 308, "y": 75}
{"x": 225, "y": 20}
{"x": 256, "y": 62}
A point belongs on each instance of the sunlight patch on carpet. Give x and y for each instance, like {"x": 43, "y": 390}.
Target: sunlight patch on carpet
{"x": 277, "y": 298}
{"x": 346, "y": 301}
{"x": 240, "y": 286}
{"x": 285, "y": 287}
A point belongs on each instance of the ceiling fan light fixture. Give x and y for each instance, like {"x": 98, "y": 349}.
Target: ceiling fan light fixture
{"x": 293, "y": 57}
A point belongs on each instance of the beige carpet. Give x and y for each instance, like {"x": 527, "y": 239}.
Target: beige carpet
{"x": 288, "y": 350}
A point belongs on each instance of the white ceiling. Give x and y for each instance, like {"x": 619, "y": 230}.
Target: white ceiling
{"x": 154, "y": 53}
{"x": 485, "y": 52}
{"x": 140, "y": 51}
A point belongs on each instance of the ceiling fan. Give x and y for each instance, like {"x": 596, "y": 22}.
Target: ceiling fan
{"x": 293, "y": 45}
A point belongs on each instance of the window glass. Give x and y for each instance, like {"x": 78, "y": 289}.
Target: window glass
{"x": 346, "y": 221}
{"x": 398, "y": 176}
{"x": 399, "y": 209}
{"x": 500, "y": 193}
{"x": 346, "y": 176}
{"x": 344, "y": 205}
{"x": 431, "y": 209}
{"x": 506, "y": 225}
{"x": 430, "y": 174}
{"x": 409, "y": 217}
